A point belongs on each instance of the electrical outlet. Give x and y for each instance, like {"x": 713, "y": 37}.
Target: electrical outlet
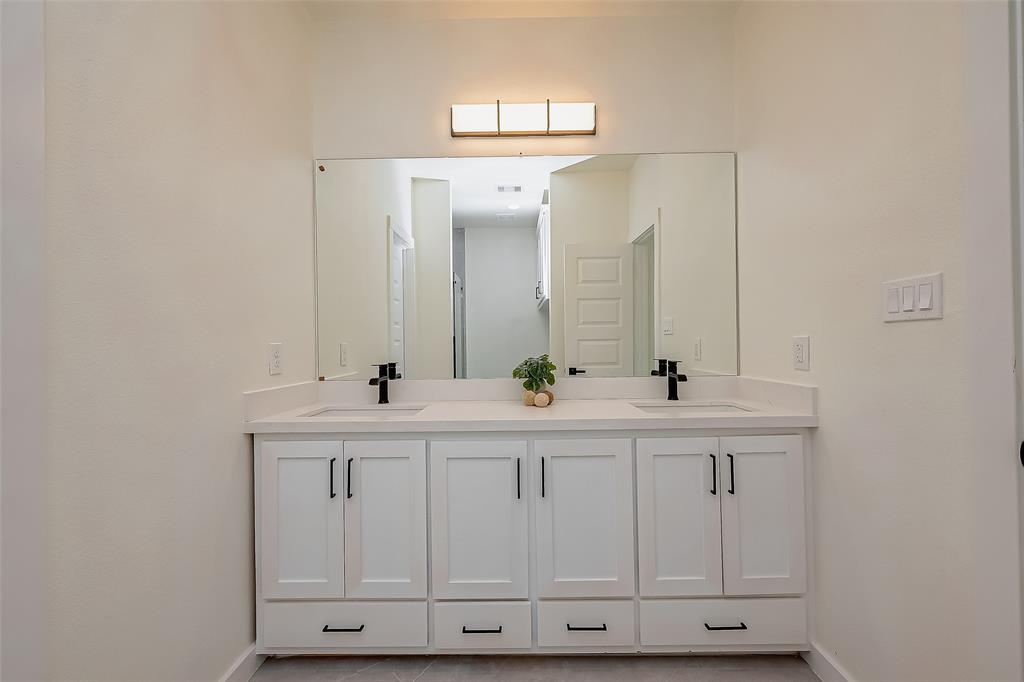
{"x": 802, "y": 353}
{"x": 343, "y": 354}
{"x": 698, "y": 348}
{"x": 275, "y": 358}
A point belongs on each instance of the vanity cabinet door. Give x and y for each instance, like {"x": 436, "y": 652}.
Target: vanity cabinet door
{"x": 386, "y": 519}
{"x": 479, "y": 519}
{"x": 679, "y": 517}
{"x": 584, "y": 517}
{"x": 300, "y": 519}
{"x": 763, "y": 532}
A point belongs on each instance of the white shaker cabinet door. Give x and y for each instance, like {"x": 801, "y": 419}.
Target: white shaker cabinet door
{"x": 385, "y": 519}
{"x": 679, "y": 518}
{"x": 479, "y": 519}
{"x": 584, "y": 517}
{"x": 763, "y": 532}
{"x": 300, "y": 513}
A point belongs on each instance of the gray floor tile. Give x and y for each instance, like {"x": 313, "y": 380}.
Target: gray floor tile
{"x": 535, "y": 668}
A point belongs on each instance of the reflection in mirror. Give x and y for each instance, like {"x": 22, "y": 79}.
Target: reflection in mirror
{"x": 461, "y": 268}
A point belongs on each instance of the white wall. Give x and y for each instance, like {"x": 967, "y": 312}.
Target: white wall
{"x": 432, "y": 230}
{"x": 872, "y": 144}
{"x": 694, "y": 196}
{"x": 23, "y": 579}
{"x": 386, "y": 74}
{"x": 587, "y": 207}
{"x": 503, "y": 323}
{"x": 178, "y": 244}
{"x": 353, "y": 202}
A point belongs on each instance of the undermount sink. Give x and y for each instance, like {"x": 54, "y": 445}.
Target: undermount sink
{"x": 683, "y": 409}
{"x": 379, "y": 412}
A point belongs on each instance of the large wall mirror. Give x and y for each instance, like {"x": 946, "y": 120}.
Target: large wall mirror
{"x": 463, "y": 267}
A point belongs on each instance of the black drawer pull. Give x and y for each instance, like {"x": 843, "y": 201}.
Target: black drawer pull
{"x": 542, "y": 477}
{"x": 713, "y": 628}
{"x": 603, "y": 627}
{"x": 732, "y": 475}
{"x": 519, "y": 487}
{"x": 328, "y": 628}
{"x": 348, "y": 477}
{"x": 467, "y": 631}
{"x": 333, "y": 494}
{"x": 714, "y": 476}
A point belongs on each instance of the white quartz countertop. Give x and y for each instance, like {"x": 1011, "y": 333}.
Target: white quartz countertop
{"x": 510, "y": 415}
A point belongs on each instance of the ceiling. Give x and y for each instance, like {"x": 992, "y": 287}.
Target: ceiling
{"x": 476, "y": 201}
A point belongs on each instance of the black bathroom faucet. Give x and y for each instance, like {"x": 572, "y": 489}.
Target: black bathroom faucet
{"x": 670, "y": 369}
{"x": 385, "y": 373}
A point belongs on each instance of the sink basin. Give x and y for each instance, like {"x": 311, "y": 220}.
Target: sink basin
{"x": 370, "y": 413}
{"x": 683, "y": 409}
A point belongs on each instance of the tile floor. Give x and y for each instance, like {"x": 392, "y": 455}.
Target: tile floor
{"x": 536, "y": 669}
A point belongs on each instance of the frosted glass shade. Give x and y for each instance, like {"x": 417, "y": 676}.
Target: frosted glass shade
{"x": 475, "y": 119}
{"x": 573, "y": 117}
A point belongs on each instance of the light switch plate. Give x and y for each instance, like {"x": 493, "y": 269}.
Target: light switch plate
{"x": 698, "y": 348}
{"x": 667, "y": 326}
{"x": 275, "y": 358}
{"x": 802, "y": 353}
{"x": 912, "y": 298}
{"x": 343, "y": 354}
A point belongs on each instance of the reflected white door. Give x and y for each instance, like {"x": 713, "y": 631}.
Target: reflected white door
{"x": 478, "y": 519}
{"x": 679, "y": 517}
{"x": 599, "y": 308}
{"x": 763, "y": 534}
{"x": 584, "y": 503}
{"x": 301, "y": 519}
{"x": 386, "y": 519}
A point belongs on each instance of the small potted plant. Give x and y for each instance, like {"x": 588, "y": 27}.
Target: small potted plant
{"x": 536, "y": 373}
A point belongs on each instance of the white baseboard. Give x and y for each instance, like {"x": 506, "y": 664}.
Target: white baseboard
{"x": 825, "y": 666}
{"x": 245, "y": 666}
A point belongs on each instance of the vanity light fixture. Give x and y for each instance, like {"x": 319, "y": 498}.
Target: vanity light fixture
{"x": 523, "y": 119}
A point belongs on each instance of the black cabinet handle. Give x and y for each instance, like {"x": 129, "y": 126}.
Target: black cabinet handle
{"x": 542, "y": 477}
{"x": 467, "y": 631}
{"x": 328, "y": 628}
{"x": 573, "y": 371}
{"x": 333, "y": 495}
{"x": 603, "y": 627}
{"x": 519, "y": 487}
{"x": 348, "y": 478}
{"x": 714, "y": 478}
{"x": 715, "y": 628}
{"x": 536, "y": 291}
{"x": 732, "y": 475}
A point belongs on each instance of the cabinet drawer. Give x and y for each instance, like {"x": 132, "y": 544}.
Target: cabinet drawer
{"x": 344, "y": 624}
{"x": 585, "y": 623}
{"x": 708, "y": 622}
{"x": 473, "y": 625}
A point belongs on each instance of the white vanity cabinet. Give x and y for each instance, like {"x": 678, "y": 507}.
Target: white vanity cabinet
{"x": 584, "y": 512}
{"x": 538, "y": 542}
{"x": 721, "y": 516}
{"x": 478, "y": 511}
{"x": 679, "y": 517}
{"x": 386, "y": 519}
{"x": 300, "y": 519}
{"x": 763, "y": 528}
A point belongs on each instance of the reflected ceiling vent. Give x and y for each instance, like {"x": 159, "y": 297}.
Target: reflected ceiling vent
{"x": 510, "y": 188}
{"x": 505, "y": 217}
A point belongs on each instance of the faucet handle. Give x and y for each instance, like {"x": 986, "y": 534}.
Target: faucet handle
{"x": 382, "y": 369}
{"x": 662, "y": 368}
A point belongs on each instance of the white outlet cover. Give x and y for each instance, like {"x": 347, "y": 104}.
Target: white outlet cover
{"x": 802, "y": 353}
{"x": 275, "y": 358}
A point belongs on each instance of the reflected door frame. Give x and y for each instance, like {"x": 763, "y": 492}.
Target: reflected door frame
{"x": 643, "y": 267}
{"x": 400, "y": 241}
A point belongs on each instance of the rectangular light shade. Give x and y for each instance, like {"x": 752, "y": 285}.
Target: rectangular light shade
{"x": 513, "y": 119}
{"x": 573, "y": 117}
{"x": 475, "y": 119}
{"x": 523, "y": 118}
